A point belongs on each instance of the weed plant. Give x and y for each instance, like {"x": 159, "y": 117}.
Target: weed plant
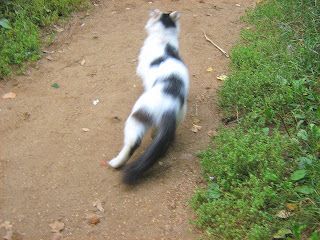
{"x": 264, "y": 174}
{"x": 21, "y": 22}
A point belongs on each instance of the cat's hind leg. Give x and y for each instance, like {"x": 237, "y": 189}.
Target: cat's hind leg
{"x": 136, "y": 126}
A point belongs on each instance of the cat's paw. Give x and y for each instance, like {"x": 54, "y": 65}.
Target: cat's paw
{"x": 115, "y": 163}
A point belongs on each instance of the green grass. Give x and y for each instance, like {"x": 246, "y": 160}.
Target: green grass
{"x": 21, "y": 26}
{"x": 269, "y": 162}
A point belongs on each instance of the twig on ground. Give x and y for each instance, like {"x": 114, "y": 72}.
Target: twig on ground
{"x": 209, "y": 40}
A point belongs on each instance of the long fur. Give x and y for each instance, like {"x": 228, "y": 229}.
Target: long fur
{"x": 163, "y": 104}
{"x": 154, "y": 151}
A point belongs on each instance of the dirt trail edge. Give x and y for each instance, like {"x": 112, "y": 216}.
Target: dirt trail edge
{"x": 54, "y": 140}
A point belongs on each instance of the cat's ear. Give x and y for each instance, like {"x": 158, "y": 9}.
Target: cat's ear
{"x": 174, "y": 16}
{"x": 155, "y": 14}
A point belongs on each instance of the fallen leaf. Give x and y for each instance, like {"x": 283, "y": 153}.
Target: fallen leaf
{"x": 209, "y": 69}
{"x": 283, "y": 214}
{"x": 103, "y": 163}
{"x": 59, "y": 29}
{"x": 56, "y": 226}
{"x": 82, "y": 62}
{"x": 196, "y": 120}
{"x": 9, "y": 95}
{"x": 195, "y": 128}
{"x": 292, "y": 206}
{"x": 93, "y": 219}
{"x": 49, "y": 58}
{"x": 98, "y": 205}
{"x": 55, "y": 85}
{"x": 212, "y": 133}
{"x": 222, "y": 77}
{"x": 85, "y": 129}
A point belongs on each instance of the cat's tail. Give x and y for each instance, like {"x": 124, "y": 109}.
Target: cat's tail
{"x": 154, "y": 151}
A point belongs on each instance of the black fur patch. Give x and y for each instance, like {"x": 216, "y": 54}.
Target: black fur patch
{"x": 174, "y": 87}
{"x": 157, "y": 61}
{"x": 172, "y": 52}
{"x": 143, "y": 116}
{"x": 169, "y": 51}
{"x": 167, "y": 21}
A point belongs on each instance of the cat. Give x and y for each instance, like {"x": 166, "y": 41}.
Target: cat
{"x": 163, "y": 105}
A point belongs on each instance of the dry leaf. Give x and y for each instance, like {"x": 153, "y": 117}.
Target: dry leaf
{"x": 9, "y": 95}
{"x": 103, "y": 163}
{"x": 85, "y": 129}
{"x": 283, "y": 214}
{"x": 93, "y": 218}
{"x": 49, "y": 58}
{"x": 59, "y": 29}
{"x": 212, "y": 133}
{"x": 82, "y": 62}
{"x": 98, "y": 205}
{"x": 196, "y": 120}
{"x": 292, "y": 206}
{"x": 222, "y": 77}
{"x": 56, "y": 226}
{"x": 195, "y": 128}
{"x": 209, "y": 69}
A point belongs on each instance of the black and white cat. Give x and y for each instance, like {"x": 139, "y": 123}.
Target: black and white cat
{"x": 163, "y": 104}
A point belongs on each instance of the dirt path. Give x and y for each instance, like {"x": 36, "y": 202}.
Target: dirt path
{"x": 50, "y": 167}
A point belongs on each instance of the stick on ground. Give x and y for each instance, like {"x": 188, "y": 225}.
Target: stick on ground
{"x": 209, "y": 40}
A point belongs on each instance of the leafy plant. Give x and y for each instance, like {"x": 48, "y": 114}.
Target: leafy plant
{"x": 267, "y": 168}
{"x": 20, "y": 29}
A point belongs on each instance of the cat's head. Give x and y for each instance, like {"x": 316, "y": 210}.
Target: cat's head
{"x": 163, "y": 22}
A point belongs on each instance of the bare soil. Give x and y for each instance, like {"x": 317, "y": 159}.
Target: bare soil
{"x": 51, "y": 169}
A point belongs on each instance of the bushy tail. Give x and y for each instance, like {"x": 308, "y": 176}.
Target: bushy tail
{"x": 154, "y": 151}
